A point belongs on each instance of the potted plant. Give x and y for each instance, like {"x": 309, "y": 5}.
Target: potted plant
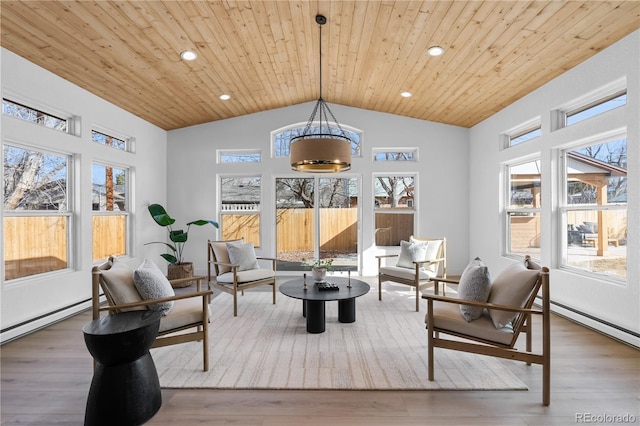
{"x": 177, "y": 268}
{"x": 319, "y": 268}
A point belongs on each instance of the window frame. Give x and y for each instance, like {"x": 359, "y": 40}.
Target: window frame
{"x": 410, "y": 210}
{"x": 523, "y": 129}
{"x": 68, "y": 213}
{"x": 105, "y": 213}
{"x": 510, "y": 211}
{"x": 564, "y": 208}
{"x": 128, "y": 140}
{"x": 241, "y": 212}
{"x": 72, "y": 123}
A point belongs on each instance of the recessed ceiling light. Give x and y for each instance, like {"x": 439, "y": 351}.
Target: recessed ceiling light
{"x": 406, "y": 94}
{"x": 188, "y": 55}
{"x": 225, "y": 97}
{"x": 435, "y": 50}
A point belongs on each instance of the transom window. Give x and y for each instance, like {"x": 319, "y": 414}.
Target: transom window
{"x": 108, "y": 140}
{"x": 597, "y": 107}
{"x": 382, "y": 154}
{"x": 239, "y": 156}
{"x": 23, "y": 112}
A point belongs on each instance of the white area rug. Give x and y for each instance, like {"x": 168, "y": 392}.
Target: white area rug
{"x": 267, "y": 347}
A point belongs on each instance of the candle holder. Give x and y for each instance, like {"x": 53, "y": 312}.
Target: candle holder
{"x": 304, "y": 277}
{"x": 349, "y": 279}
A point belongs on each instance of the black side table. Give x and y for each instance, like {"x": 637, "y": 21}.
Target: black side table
{"x": 125, "y": 389}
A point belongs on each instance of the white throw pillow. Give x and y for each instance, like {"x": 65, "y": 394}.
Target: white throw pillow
{"x": 475, "y": 284}
{"x": 152, "y": 284}
{"x": 242, "y": 254}
{"x": 511, "y": 288}
{"x": 411, "y": 252}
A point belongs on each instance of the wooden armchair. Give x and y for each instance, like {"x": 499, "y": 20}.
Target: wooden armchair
{"x": 233, "y": 277}
{"x": 412, "y": 271}
{"x": 187, "y": 321}
{"x": 482, "y": 336}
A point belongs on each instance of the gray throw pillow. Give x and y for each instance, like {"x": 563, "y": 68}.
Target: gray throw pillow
{"x": 152, "y": 284}
{"x": 242, "y": 254}
{"x": 411, "y": 252}
{"x": 475, "y": 284}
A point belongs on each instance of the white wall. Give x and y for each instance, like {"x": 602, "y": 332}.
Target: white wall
{"x": 23, "y": 300}
{"x": 441, "y": 188}
{"x": 606, "y": 300}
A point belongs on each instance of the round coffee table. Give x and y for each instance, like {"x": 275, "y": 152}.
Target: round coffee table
{"x": 313, "y": 300}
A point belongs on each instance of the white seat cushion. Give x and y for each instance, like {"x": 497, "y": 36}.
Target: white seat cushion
{"x": 446, "y": 316}
{"x": 246, "y": 276}
{"x": 406, "y": 273}
{"x": 185, "y": 312}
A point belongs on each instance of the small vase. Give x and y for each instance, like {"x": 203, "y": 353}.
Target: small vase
{"x": 319, "y": 274}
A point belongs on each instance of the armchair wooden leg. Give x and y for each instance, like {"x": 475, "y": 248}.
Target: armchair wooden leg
{"x": 379, "y": 287}
{"x": 417, "y": 298}
{"x": 235, "y": 304}
{"x": 274, "y": 292}
{"x": 430, "y": 338}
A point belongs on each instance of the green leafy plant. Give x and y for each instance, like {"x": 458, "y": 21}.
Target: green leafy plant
{"x": 319, "y": 263}
{"x": 178, "y": 237}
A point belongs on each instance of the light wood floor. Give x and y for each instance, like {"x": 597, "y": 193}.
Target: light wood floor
{"x": 46, "y": 377}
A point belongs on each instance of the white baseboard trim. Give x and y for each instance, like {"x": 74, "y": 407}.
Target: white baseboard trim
{"x": 12, "y": 333}
{"x": 617, "y": 333}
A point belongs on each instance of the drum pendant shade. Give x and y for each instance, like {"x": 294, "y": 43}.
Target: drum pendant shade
{"x": 321, "y": 150}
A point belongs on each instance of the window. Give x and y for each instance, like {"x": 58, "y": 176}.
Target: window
{"x": 110, "y": 205}
{"x": 394, "y": 209}
{"x": 594, "y": 208}
{"x": 239, "y": 156}
{"x": 37, "y": 217}
{"x": 35, "y": 116}
{"x": 523, "y": 209}
{"x": 522, "y": 133}
{"x": 107, "y": 140}
{"x": 281, "y": 138}
{"x": 240, "y": 210}
{"x": 395, "y": 155}
{"x": 524, "y": 136}
{"x": 595, "y": 108}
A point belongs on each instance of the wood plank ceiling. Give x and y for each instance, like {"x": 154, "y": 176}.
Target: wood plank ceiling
{"x": 265, "y": 54}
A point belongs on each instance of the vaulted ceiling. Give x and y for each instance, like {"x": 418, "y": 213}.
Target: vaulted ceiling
{"x": 265, "y": 54}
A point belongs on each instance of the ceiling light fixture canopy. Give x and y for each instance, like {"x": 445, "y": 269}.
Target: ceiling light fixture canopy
{"x": 319, "y": 149}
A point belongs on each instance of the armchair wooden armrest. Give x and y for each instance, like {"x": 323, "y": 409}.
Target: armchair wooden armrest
{"x": 445, "y": 280}
{"x": 205, "y": 293}
{"x": 178, "y": 281}
{"x": 480, "y": 304}
{"x": 380, "y": 256}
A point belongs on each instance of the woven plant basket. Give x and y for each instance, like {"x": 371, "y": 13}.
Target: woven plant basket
{"x": 180, "y": 270}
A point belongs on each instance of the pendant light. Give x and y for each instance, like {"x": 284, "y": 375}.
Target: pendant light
{"x": 321, "y": 148}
